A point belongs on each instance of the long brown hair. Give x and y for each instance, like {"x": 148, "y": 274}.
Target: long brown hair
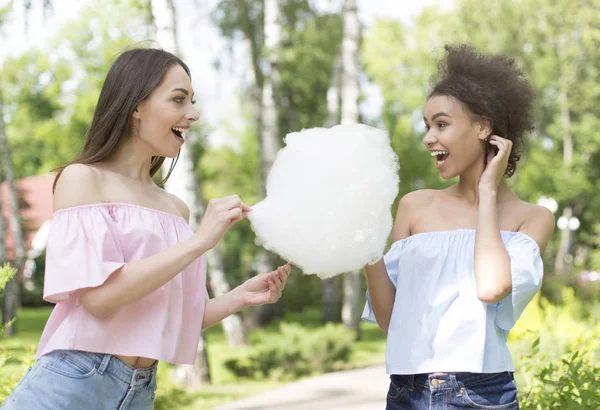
{"x": 130, "y": 80}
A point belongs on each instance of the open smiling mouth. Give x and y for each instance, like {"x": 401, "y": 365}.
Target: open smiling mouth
{"x": 180, "y": 134}
{"x": 440, "y": 157}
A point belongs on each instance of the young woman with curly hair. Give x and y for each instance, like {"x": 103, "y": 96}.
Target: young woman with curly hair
{"x": 465, "y": 260}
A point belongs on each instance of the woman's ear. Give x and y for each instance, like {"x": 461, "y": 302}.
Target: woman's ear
{"x": 136, "y": 113}
{"x": 485, "y": 129}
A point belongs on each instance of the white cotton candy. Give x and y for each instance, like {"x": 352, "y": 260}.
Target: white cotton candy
{"x": 329, "y": 195}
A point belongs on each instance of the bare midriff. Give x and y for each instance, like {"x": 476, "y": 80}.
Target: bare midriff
{"x": 137, "y": 362}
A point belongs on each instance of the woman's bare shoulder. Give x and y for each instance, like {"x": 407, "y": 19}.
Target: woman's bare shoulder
{"x": 180, "y": 205}
{"x": 538, "y": 222}
{"x": 78, "y": 184}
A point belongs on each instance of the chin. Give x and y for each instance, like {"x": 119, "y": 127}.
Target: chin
{"x": 168, "y": 154}
{"x": 171, "y": 155}
{"x": 446, "y": 176}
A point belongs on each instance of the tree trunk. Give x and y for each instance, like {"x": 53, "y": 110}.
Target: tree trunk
{"x": 350, "y": 94}
{"x": 163, "y": 14}
{"x": 330, "y": 288}
{"x": 268, "y": 139}
{"x": 11, "y": 294}
{"x": 181, "y": 183}
{"x": 352, "y": 300}
{"x": 194, "y": 375}
{"x": 566, "y": 235}
{"x": 334, "y": 94}
{"x": 184, "y": 183}
{"x": 565, "y": 243}
{"x": 350, "y": 63}
{"x": 330, "y": 300}
{"x": 232, "y": 324}
{"x": 3, "y": 230}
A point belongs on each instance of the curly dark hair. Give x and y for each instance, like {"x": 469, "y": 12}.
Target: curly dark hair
{"x": 492, "y": 87}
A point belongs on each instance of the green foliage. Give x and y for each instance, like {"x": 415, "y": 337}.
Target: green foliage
{"x": 4, "y": 10}
{"x": 402, "y": 69}
{"x": 296, "y": 353}
{"x": 50, "y": 98}
{"x": 7, "y": 380}
{"x": 310, "y": 42}
{"x": 306, "y": 64}
{"x": 168, "y": 394}
{"x": 561, "y": 368}
{"x": 569, "y": 383}
{"x": 6, "y": 273}
{"x": 233, "y": 169}
{"x": 560, "y": 55}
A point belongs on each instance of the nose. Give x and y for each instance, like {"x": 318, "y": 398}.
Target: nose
{"x": 429, "y": 139}
{"x": 193, "y": 115}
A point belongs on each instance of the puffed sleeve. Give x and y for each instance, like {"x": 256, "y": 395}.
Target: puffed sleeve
{"x": 527, "y": 270}
{"x": 392, "y": 262}
{"x": 83, "y": 251}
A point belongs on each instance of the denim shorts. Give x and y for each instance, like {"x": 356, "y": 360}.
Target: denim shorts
{"x": 70, "y": 379}
{"x": 453, "y": 391}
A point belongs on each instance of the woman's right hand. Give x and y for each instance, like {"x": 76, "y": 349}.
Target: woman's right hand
{"x": 220, "y": 215}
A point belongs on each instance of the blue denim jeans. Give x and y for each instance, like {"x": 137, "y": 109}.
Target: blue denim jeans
{"x": 453, "y": 391}
{"x": 70, "y": 379}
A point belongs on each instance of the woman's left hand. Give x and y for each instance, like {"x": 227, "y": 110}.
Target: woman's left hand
{"x": 496, "y": 163}
{"x": 265, "y": 288}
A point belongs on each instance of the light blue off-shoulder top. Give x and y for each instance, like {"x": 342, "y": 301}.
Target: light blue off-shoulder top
{"x": 438, "y": 324}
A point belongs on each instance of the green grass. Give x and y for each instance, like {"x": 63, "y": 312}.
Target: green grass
{"x": 225, "y": 387}
{"x": 21, "y": 348}
{"x": 212, "y": 396}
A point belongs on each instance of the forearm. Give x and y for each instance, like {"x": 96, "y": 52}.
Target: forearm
{"x": 492, "y": 263}
{"x": 140, "y": 278}
{"x": 222, "y": 306}
{"x": 382, "y": 292}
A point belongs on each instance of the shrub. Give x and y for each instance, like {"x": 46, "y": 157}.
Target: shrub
{"x": 569, "y": 383}
{"x": 297, "y": 352}
{"x": 560, "y": 370}
{"x": 7, "y": 379}
{"x": 168, "y": 394}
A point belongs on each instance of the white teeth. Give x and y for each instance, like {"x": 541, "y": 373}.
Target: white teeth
{"x": 182, "y": 131}
{"x": 436, "y": 153}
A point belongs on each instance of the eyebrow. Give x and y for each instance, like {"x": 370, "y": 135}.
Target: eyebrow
{"x": 183, "y": 90}
{"x": 439, "y": 114}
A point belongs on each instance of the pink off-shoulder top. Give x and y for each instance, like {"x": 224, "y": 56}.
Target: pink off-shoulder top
{"x": 86, "y": 245}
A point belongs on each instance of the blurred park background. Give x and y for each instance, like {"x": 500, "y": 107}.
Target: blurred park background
{"x": 263, "y": 68}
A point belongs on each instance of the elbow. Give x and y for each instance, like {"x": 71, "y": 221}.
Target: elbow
{"x": 98, "y": 312}
{"x": 493, "y": 295}
{"x": 384, "y": 327}
{"x": 95, "y": 307}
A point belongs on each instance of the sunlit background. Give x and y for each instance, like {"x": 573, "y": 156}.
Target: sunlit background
{"x": 326, "y": 62}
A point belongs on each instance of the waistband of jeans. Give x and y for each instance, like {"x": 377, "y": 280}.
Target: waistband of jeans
{"x": 466, "y": 379}
{"x": 108, "y": 363}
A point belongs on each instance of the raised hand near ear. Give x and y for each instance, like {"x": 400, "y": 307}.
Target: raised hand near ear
{"x": 496, "y": 163}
